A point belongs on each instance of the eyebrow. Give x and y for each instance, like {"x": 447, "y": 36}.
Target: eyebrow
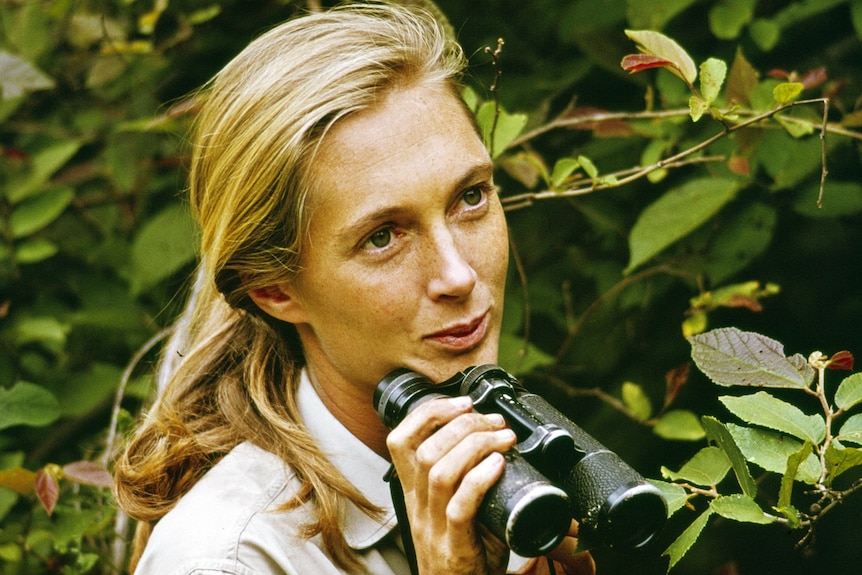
{"x": 479, "y": 171}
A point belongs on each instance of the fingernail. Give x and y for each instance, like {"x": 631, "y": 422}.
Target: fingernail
{"x": 496, "y": 419}
{"x": 462, "y": 402}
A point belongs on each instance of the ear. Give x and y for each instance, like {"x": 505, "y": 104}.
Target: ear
{"x": 280, "y": 301}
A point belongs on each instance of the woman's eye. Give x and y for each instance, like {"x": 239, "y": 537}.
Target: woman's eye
{"x": 380, "y": 238}
{"x": 473, "y": 196}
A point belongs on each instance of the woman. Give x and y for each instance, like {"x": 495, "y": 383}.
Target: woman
{"x": 349, "y": 226}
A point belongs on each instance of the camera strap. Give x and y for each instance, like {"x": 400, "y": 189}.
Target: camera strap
{"x": 397, "y": 492}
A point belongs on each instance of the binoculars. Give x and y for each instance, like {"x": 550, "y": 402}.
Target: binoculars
{"x": 555, "y": 472}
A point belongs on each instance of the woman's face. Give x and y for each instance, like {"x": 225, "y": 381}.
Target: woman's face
{"x": 406, "y": 255}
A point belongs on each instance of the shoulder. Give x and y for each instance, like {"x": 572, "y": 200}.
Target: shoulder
{"x": 229, "y": 522}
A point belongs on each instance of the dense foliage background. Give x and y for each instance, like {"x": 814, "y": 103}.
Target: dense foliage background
{"x": 96, "y": 247}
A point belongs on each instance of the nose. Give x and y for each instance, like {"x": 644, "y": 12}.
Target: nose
{"x": 451, "y": 274}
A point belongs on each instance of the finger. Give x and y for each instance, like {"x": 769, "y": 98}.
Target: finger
{"x": 463, "y": 506}
{"x": 423, "y": 421}
{"x": 452, "y": 436}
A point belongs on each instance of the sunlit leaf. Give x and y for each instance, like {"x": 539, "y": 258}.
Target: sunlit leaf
{"x": 729, "y": 356}
{"x": 27, "y": 404}
{"x": 563, "y": 168}
{"x": 707, "y": 468}
{"x": 787, "y": 92}
{"x": 674, "y": 495}
{"x": 658, "y": 44}
{"x": 683, "y": 543}
{"x": 768, "y": 411}
{"x": 742, "y": 508}
{"x": 712, "y": 74}
{"x": 636, "y": 401}
{"x": 770, "y": 450}
{"x": 851, "y": 430}
{"x": 717, "y": 433}
{"x": 18, "y": 76}
{"x": 675, "y": 215}
{"x": 849, "y": 392}
{"x": 697, "y": 107}
{"x": 504, "y": 128}
{"x": 680, "y": 425}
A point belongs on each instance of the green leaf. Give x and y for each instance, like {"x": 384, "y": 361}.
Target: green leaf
{"x": 697, "y": 107}
{"x": 770, "y": 451}
{"x": 163, "y": 246}
{"x": 795, "y": 460}
{"x": 729, "y": 356}
{"x": 588, "y": 166}
{"x": 849, "y": 392}
{"x": 742, "y": 508}
{"x": 743, "y": 237}
{"x": 33, "y": 250}
{"x": 717, "y": 433}
{"x": 43, "y": 164}
{"x": 683, "y": 543}
{"x": 787, "y": 92}
{"x": 741, "y": 80}
{"x": 507, "y": 127}
{"x": 563, "y": 168}
{"x": 712, "y": 74}
{"x": 18, "y": 76}
{"x": 658, "y": 44}
{"x": 768, "y": 411}
{"x": 27, "y": 404}
{"x": 36, "y": 212}
{"x": 675, "y": 496}
{"x": 728, "y": 17}
{"x": 840, "y": 460}
{"x": 48, "y": 331}
{"x": 707, "y": 468}
{"x": 680, "y": 425}
{"x": 676, "y": 214}
{"x": 765, "y": 33}
{"x": 636, "y": 401}
{"x": 515, "y": 358}
{"x": 851, "y": 430}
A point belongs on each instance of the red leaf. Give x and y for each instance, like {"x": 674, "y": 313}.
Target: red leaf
{"x": 841, "y": 360}
{"x": 638, "y": 62}
{"x": 814, "y": 77}
{"x": 779, "y": 74}
{"x": 87, "y": 473}
{"x": 674, "y": 380}
{"x": 739, "y": 165}
{"x": 47, "y": 490}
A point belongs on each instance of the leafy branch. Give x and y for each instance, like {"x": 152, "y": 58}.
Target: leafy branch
{"x": 777, "y": 436}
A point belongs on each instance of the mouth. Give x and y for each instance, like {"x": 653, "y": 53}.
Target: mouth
{"x": 461, "y": 337}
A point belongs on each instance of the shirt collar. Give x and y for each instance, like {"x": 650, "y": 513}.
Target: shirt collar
{"x": 356, "y": 461}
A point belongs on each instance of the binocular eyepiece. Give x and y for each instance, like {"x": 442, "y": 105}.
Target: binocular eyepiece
{"x": 556, "y": 471}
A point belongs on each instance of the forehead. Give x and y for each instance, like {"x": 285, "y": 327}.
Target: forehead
{"x": 418, "y": 137}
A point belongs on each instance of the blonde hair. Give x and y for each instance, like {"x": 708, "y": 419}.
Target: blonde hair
{"x": 262, "y": 119}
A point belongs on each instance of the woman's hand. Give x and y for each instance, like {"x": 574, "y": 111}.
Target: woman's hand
{"x": 447, "y": 457}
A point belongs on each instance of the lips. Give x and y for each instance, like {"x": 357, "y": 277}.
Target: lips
{"x": 462, "y": 336}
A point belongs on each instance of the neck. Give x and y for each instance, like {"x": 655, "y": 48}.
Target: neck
{"x": 352, "y": 406}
